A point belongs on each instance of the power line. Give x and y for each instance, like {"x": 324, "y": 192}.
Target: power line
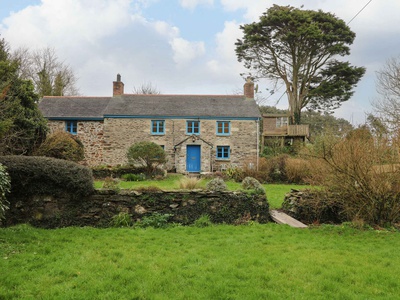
{"x": 359, "y": 11}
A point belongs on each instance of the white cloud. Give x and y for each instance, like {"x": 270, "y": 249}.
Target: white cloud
{"x": 185, "y": 51}
{"x": 100, "y": 38}
{"x": 191, "y": 4}
{"x": 226, "y": 62}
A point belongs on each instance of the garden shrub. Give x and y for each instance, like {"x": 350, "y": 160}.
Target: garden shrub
{"x": 277, "y": 168}
{"x": 148, "y": 155}
{"x": 134, "y": 177}
{"x": 188, "y": 183}
{"x": 263, "y": 171}
{"x": 36, "y": 175}
{"x": 155, "y": 220}
{"x": 5, "y": 185}
{"x": 297, "y": 170}
{"x": 250, "y": 183}
{"x": 102, "y": 172}
{"x": 62, "y": 145}
{"x": 217, "y": 185}
{"x": 111, "y": 184}
{"x": 272, "y": 169}
{"x": 123, "y": 219}
{"x": 234, "y": 172}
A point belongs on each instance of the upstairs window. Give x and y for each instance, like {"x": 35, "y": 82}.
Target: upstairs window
{"x": 71, "y": 127}
{"x": 158, "y": 127}
{"x": 223, "y": 152}
{"x": 281, "y": 122}
{"x": 223, "y": 128}
{"x": 193, "y": 127}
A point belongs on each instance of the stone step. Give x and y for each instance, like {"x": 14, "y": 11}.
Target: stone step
{"x": 282, "y": 218}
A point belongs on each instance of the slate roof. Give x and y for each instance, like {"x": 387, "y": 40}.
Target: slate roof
{"x": 74, "y": 107}
{"x": 206, "y": 106}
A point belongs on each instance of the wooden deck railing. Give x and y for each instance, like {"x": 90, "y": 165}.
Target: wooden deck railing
{"x": 290, "y": 130}
{"x": 298, "y": 130}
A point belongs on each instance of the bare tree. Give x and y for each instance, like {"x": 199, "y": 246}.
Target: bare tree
{"x": 388, "y": 87}
{"x": 50, "y": 76}
{"x": 146, "y": 89}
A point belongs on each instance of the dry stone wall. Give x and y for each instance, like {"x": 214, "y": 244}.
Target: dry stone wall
{"x": 99, "y": 208}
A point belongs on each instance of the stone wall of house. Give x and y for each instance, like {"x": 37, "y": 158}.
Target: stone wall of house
{"x": 120, "y": 134}
{"x": 90, "y": 133}
{"x": 106, "y": 143}
{"x": 55, "y": 126}
{"x": 98, "y": 209}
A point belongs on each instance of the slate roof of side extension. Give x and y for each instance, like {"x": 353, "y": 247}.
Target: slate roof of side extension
{"x": 74, "y": 107}
{"x": 203, "y": 106}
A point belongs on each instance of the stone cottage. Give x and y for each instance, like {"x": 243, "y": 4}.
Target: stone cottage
{"x": 200, "y": 133}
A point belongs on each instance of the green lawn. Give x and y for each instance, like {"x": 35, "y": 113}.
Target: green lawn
{"x": 220, "y": 262}
{"x": 275, "y": 192}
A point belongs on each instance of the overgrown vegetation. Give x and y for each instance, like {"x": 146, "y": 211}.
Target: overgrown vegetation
{"x": 279, "y": 169}
{"x": 123, "y": 219}
{"x": 203, "y": 221}
{"x": 155, "y": 220}
{"x": 362, "y": 171}
{"x": 62, "y": 145}
{"x": 133, "y": 177}
{"x": 250, "y": 183}
{"x": 5, "y": 186}
{"x": 188, "y": 183}
{"x": 34, "y": 175}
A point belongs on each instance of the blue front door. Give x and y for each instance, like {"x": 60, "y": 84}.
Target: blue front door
{"x": 193, "y": 158}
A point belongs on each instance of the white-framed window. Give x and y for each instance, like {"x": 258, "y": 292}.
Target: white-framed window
{"x": 281, "y": 122}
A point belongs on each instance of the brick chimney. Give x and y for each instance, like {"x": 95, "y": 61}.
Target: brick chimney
{"x": 118, "y": 86}
{"x": 248, "y": 88}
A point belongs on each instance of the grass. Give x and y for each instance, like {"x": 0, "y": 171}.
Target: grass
{"x": 220, "y": 262}
{"x": 275, "y": 192}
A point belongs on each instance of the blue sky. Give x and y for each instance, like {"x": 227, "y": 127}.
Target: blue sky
{"x": 184, "y": 46}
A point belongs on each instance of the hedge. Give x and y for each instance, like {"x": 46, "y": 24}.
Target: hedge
{"x": 34, "y": 175}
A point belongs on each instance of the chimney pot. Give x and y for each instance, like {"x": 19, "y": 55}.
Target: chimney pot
{"x": 118, "y": 86}
{"x": 248, "y": 88}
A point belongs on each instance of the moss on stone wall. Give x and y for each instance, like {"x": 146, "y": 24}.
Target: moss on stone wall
{"x": 98, "y": 209}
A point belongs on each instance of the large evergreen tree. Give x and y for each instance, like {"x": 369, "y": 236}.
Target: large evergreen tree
{"x": 299, "y": 48}
{"x": 22, "y": 126}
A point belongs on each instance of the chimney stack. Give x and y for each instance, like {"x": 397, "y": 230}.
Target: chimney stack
{"x": 248, "y": 88}
{"x": 118, "y": 86}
